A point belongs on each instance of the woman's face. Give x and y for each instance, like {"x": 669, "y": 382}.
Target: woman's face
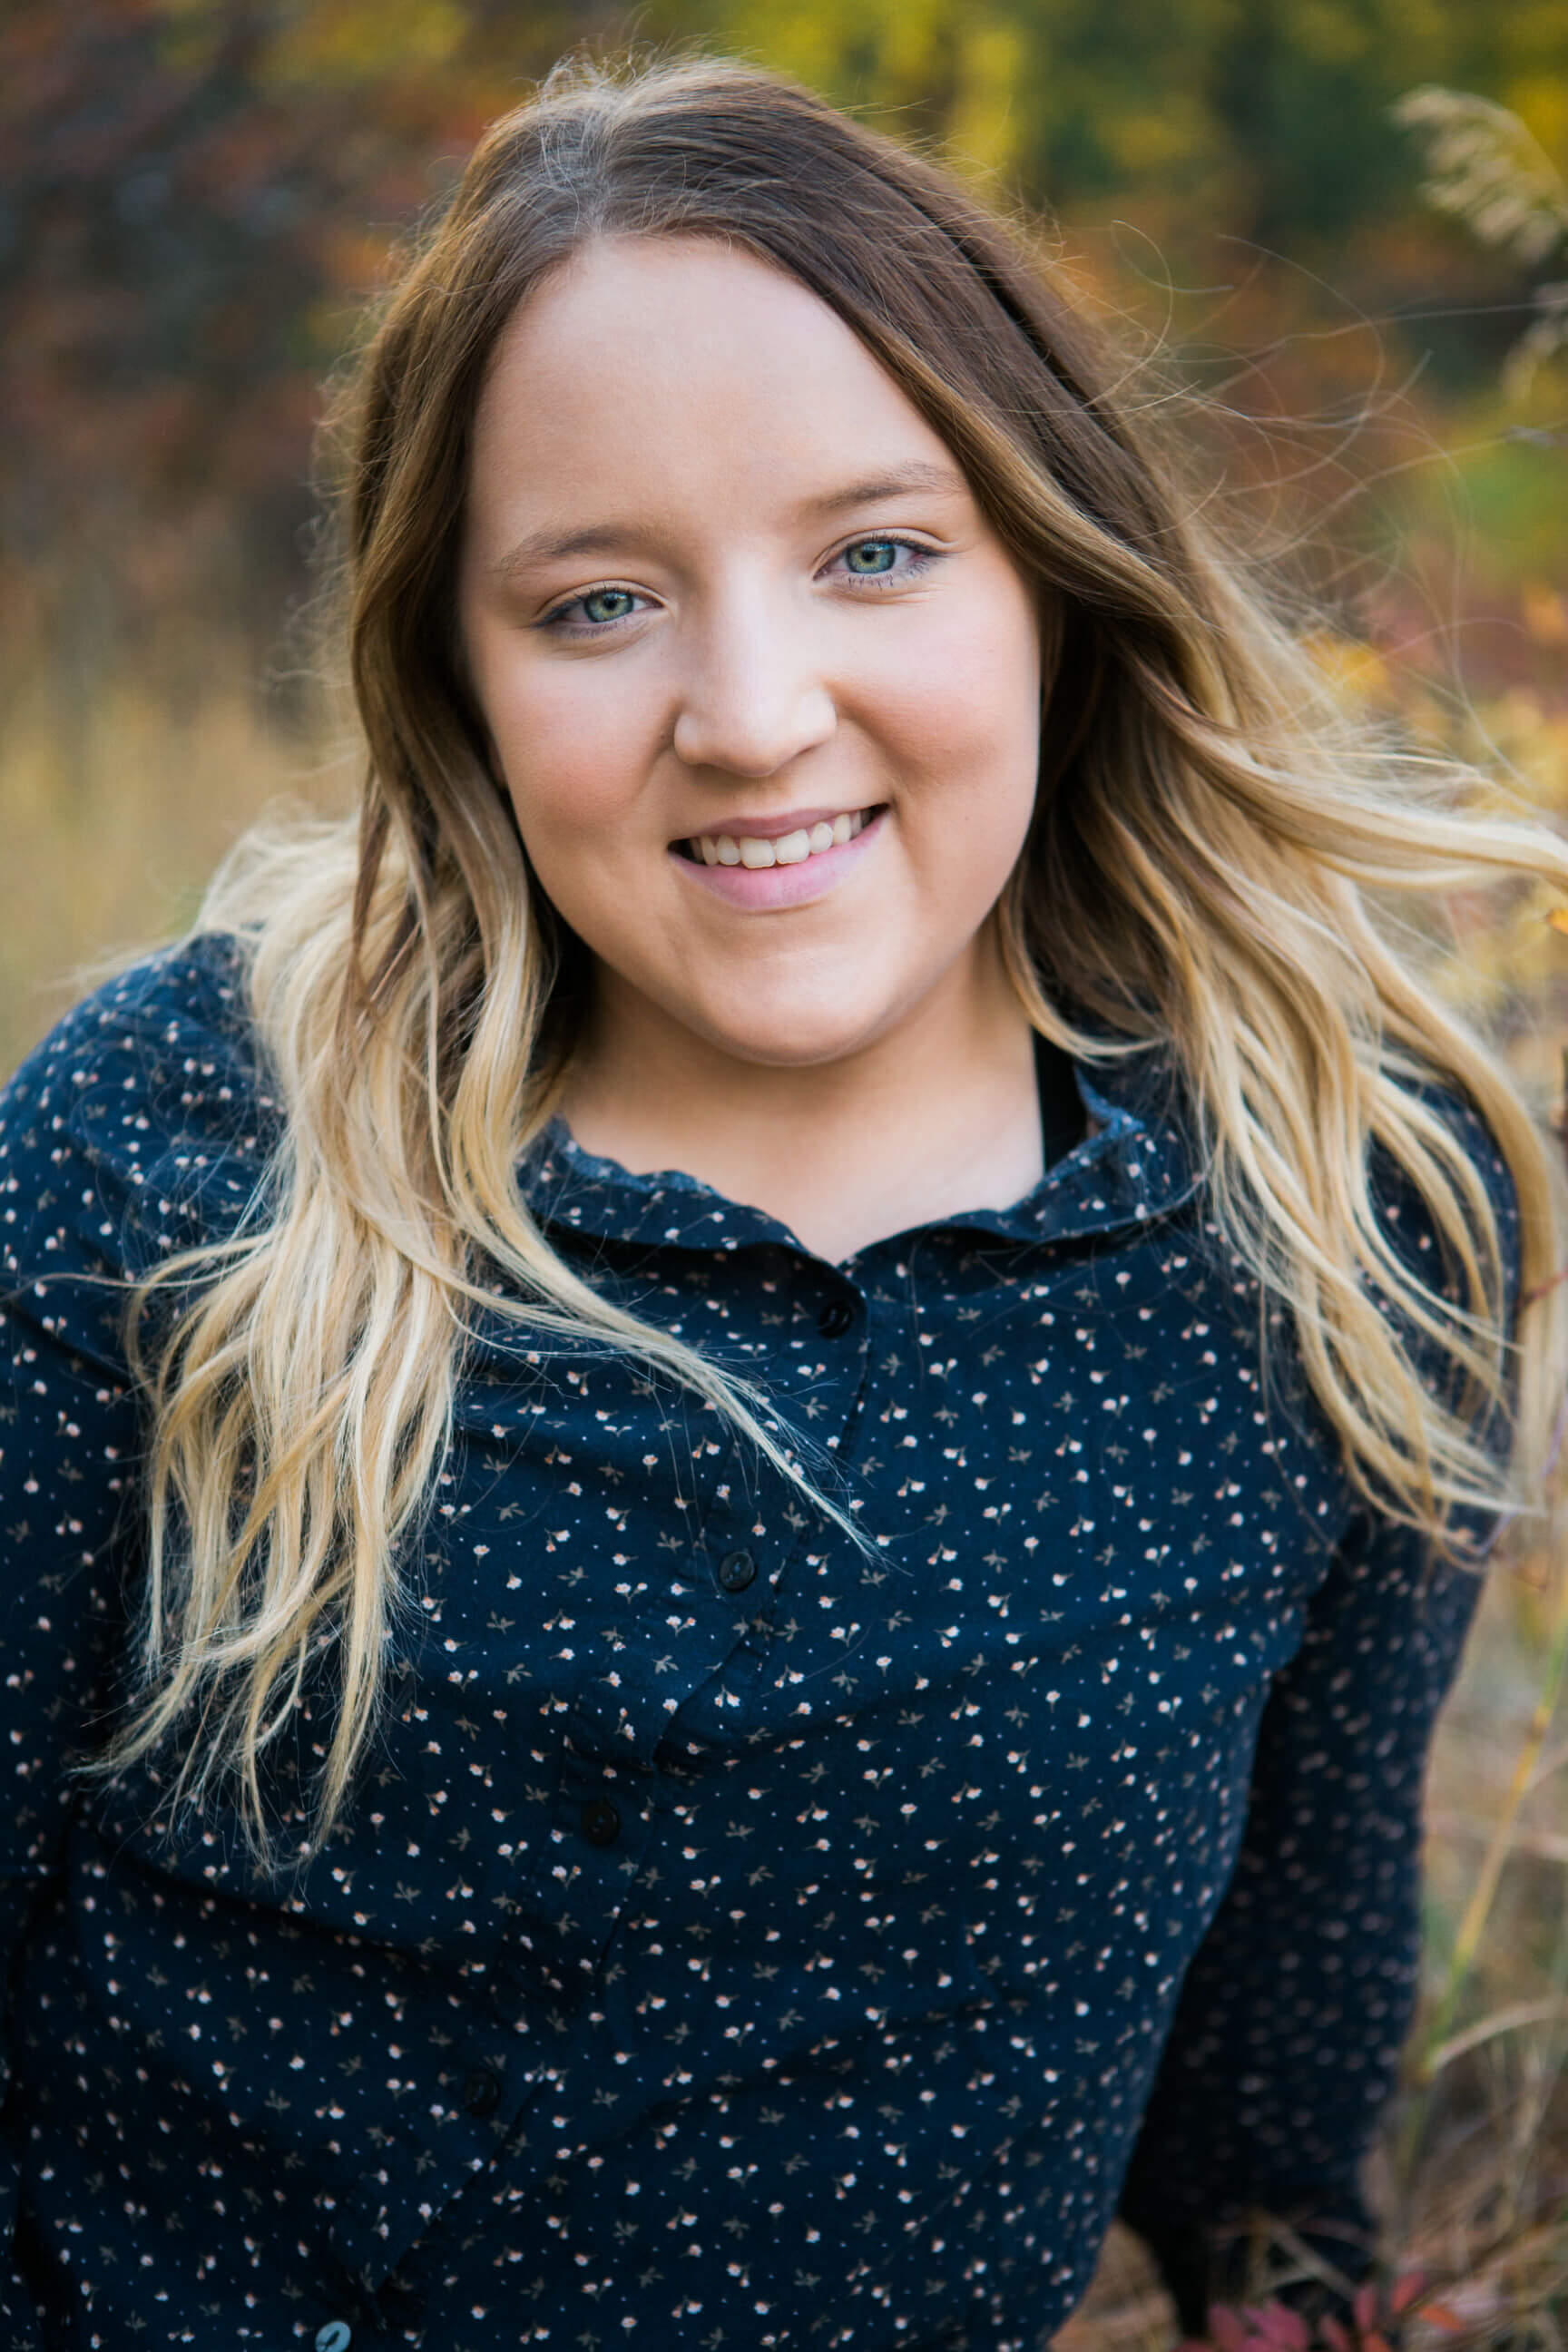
{"x": 727, "y": 599}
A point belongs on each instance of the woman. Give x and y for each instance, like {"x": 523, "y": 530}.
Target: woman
{"x": 746, "y": 1621}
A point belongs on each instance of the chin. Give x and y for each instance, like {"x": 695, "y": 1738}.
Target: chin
{"x": 804, "y": 1040}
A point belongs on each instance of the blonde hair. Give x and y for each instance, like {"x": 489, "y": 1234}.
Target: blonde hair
{"x": 1209, "y": 824}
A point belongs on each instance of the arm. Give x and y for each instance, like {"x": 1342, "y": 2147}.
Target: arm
{"x": 105, "y": 1133}
{"x": 68, "y": 1441}
{"x": 66, "y": 1426}
{"x": 1285, "y": 2047}
{"x": 1285, "y": 2042}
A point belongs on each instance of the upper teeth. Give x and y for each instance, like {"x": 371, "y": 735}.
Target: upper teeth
{"x": 788, "y": 849}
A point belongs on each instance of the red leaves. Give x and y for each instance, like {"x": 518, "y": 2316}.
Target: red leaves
{"x": 1406, "y": 2289}
{"x": 1281, "y": 2328}
{"x": 1273, "y": 2326}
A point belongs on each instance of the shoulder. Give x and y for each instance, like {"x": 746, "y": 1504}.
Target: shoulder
{"x": 141, "y": 1123}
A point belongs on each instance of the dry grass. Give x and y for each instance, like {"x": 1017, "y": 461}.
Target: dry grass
{"x": 114, "y": 815}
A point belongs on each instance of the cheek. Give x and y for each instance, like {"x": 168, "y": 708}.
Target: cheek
{"x": 573, "y": 745}
{"x": 962, "y": 701}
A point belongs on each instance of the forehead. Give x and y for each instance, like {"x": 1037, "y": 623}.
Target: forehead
{"x": 686, "y": 367}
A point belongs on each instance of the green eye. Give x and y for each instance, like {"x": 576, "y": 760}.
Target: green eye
{"x": 871, "y": 555}
{"x": 607, "y": 604}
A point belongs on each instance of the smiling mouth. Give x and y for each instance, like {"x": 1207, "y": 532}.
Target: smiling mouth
{"x": 784, "y": 849}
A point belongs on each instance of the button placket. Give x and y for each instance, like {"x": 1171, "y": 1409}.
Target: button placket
{"x": 602, "y": 1822}
{"x": 675, "y": 1638}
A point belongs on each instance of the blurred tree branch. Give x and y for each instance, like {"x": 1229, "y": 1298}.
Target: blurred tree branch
{"x": 1485, "y": 167}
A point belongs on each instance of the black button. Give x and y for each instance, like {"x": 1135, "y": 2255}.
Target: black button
{"x": 599, "y": 1821}
{"x": 482, "y": 2092}
{"x": 736, "y": 1570}
{"x": 835, "y": 1318}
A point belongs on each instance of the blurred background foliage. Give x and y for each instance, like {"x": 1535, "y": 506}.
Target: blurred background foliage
{"x": 1341, "y": 224}
{"x": 197, "y": 196}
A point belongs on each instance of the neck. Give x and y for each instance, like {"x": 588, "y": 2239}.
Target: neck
{"x": 939, "y": 1112}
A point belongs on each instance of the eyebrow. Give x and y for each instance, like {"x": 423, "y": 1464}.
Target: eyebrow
{"x": 916, "y": 476}
{"x": 605, "y": 538}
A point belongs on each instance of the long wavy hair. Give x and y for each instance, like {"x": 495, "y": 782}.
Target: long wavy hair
{"x": 1212, "y": 834}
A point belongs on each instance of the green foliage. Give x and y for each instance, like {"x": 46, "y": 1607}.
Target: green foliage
{"x": 1487, "y": 167}
{"x": 1270, "y": 115}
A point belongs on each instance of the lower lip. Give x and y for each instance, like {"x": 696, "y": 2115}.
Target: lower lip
{"x": 766, "y": 886}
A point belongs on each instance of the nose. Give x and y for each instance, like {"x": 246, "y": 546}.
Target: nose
{"x": 753, "y": 697}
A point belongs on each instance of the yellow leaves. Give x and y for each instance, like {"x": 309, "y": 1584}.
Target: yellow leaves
{"x": 803, "y": 40}
{"x": 892, "y": 53}
{"x": 1506, "y": 943}
{"x": 917, "y": 38}
{"x": 1519, "y": 736}
{"x": 1512, "y": 940}
{"x": 1541, "y": 103}
{"x": 1147, "y": 140}
{"x": 1544, "y": 611}
{"x": 358, "y": 40}
{"x": 985, "y": 126}
{"x": 1358, "y": 671}
{"x": 920, "y": 64}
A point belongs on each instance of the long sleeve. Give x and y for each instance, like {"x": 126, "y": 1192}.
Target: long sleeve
{"x": 1286, "y": 2043}
{"x": 67, "y": 1437}
{"x": 67, "y": 1442}
{"x": 1285, "y": 2047}
{"x": 88, "y": 1195}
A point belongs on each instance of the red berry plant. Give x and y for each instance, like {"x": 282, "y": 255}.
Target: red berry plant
{"x": 1379, "y": 2316}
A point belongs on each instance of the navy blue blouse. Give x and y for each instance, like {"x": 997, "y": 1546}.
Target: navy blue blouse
{"x": 736, "y": 1941}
